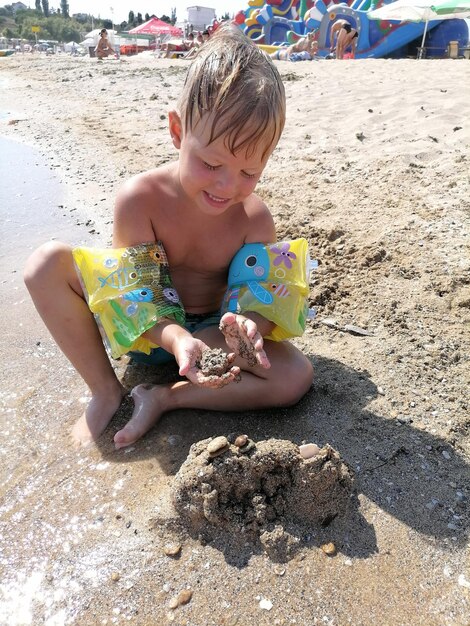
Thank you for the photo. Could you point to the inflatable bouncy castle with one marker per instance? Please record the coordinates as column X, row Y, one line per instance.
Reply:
column 275, row 23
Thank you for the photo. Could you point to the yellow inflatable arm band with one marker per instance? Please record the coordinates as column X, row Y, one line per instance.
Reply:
column 273, row 280
column 128, row 290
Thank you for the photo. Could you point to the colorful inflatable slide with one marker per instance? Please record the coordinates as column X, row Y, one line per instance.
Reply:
column 274, row 23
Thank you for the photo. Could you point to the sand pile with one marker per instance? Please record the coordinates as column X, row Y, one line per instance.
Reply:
column 262, row 492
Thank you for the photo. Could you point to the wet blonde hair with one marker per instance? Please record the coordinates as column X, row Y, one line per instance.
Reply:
column 235, row 82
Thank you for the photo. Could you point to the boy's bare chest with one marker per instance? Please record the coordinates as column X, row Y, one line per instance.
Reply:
column 201, row 249
column 202, row 253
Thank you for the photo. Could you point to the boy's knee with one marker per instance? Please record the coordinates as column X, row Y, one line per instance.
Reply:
column 299, row 380
column 45, row 261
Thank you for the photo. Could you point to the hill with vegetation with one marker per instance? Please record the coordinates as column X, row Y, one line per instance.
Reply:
column 58, row 24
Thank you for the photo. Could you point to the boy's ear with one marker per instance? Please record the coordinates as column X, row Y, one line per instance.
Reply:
column 176, row 129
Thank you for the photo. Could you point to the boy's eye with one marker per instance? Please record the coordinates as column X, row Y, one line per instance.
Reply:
column 248, row 175
column 211, row 167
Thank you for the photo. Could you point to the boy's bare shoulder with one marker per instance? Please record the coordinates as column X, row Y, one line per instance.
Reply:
column 260, row 221
column 143, row 187
column 138, row 205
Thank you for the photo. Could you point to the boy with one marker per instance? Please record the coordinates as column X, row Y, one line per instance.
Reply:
column 202, row 208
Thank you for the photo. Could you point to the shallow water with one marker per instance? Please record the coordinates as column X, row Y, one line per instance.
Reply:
column 31, row 212
column 34, row 376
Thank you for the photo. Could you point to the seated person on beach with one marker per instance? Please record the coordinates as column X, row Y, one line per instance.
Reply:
column 104, row 48
column 347, row 37
column 184, row 46
column 306, row 44
column 202, row 208
column 198, row 41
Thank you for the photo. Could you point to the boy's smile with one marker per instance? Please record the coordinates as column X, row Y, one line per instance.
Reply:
column 215, row 201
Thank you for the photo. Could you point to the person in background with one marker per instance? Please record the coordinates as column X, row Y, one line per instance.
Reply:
column 347, row 37
column 306, row 44
column 334, row 32
column 184, row 46
column 104, row 48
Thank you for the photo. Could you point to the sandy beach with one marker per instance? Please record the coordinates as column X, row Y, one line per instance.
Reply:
column 373, row 170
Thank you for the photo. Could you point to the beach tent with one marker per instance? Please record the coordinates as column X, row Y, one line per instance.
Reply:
column 422, row 11
column 71, row 45
column 156, row 27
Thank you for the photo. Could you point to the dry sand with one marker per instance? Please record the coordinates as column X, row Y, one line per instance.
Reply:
column 373, row 169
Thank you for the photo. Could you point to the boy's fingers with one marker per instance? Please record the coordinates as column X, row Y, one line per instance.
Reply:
column 262, row 359
column 227, row 318
column 195, row 376
column 185, row 366
column 258, row 342
column 231, row 357
column 183, row 371
column 251, row 331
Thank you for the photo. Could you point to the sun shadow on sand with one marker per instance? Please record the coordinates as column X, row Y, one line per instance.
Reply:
column 405, row 471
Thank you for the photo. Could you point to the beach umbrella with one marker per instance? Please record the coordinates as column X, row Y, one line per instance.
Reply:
column 95, row 33
column 459, row 9
column 422, row 11
column 154, row 26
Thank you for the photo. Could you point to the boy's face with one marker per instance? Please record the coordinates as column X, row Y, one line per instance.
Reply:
column 211, row 175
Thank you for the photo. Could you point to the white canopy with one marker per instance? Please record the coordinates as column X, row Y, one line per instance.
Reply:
column 96, row 33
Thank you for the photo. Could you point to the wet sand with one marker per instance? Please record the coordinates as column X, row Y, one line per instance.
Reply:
column 373, row 170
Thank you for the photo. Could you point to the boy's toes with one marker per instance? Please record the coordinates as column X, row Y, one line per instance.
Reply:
column 126, row 436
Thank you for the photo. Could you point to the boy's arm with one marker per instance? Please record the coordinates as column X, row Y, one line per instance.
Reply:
column 135, row 203
column 261, row 230
column 261, row 227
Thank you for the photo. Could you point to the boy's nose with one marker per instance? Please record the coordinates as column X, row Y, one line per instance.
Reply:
column 226, row 184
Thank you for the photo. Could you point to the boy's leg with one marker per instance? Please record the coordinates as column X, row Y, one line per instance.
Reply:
column 283, row 384
column 53, row 283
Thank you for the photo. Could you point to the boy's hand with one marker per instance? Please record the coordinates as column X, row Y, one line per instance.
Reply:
column 188, row 351
column 242, row 336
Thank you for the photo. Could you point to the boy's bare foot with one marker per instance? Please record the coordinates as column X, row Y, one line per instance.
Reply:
column 98, row 414
column 149, row 406
column 242, row 336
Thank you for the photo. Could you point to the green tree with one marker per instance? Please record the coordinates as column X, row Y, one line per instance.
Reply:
column 173, row 17
column 45, row 7
column 64, row 5
column 108, row 24
column 131, row 18
column 139, row 18
column 52, row 27
column 147, row 17
column 83, row 19
column 166, row 19
column 38, row 6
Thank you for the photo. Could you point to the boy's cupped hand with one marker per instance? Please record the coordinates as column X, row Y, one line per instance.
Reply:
column 188, row 354
column 243, row 338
